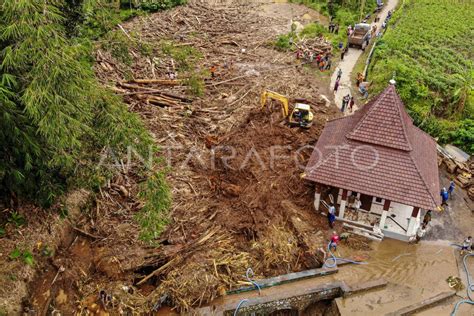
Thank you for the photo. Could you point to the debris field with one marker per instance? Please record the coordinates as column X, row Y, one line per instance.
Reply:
column 234, row 168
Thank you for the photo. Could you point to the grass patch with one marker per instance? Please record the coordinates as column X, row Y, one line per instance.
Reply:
column 25, row 255
column 185, row 56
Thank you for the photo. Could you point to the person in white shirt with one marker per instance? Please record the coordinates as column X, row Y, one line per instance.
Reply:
column 331, row 215
column 357, row 204
column 420, row 233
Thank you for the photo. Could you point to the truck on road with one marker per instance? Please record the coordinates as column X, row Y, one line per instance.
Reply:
column 360, row 36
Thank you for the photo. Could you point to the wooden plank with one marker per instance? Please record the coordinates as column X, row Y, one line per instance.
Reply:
column 410, row 310
column 286, row 278
column 366, row 286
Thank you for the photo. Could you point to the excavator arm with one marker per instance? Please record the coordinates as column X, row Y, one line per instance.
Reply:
column 275, row 96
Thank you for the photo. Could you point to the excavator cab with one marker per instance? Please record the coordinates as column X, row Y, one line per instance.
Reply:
column 301, row 114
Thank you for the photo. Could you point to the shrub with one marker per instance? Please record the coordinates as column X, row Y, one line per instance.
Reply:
column 158, row 5
column 283, row 42
column 153, row 217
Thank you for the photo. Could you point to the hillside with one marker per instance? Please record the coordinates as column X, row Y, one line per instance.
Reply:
column 429, row 49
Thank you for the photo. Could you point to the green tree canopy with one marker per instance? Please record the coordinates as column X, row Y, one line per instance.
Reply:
column 55, row 117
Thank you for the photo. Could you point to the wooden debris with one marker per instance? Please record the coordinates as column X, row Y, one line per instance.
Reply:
column 165, row 82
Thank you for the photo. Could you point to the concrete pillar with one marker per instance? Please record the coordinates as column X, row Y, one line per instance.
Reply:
column 342, row 207
column 386, row 207
column 412, row 227
column 317, row 197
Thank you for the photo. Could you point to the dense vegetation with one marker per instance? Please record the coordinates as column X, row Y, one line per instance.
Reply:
column 429, row 48
column 56, row 119
column 344, row 12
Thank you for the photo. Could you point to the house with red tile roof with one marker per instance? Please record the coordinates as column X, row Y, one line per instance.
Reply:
column 377, row 158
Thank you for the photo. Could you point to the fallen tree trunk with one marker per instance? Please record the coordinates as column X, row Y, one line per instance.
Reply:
column 166, row 82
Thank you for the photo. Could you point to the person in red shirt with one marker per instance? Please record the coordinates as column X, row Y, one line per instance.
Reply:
column 334, row 240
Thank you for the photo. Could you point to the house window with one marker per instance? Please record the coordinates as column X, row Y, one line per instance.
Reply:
column 378, row 200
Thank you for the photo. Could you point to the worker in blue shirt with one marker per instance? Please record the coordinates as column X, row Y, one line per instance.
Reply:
column 444, row 196
column 451, row 188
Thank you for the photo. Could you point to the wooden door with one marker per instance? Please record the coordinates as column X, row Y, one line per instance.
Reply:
column 366, row 202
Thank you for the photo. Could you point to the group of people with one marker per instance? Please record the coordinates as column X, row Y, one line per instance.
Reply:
column 334, row 28
column 323, row 60
column 447, row 194
column 420, row 233
column 385, row 22
column 348, row 100
column 350, row 30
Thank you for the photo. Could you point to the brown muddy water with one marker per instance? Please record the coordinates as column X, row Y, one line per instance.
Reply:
column 414, row 273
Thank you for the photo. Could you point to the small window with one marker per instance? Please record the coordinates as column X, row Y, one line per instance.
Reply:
column 378, row 200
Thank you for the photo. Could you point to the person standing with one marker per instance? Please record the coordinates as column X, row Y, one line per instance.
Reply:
column 213, row 70
column 328, row 64
column 351, row 104
column 345, row 101
column 336, row 29
column 357, row 204
column 427, row 218
column 467, row 244
column 343, row 105
column 334, row 241
column 331, row 27
column 343, row 51
column 451, row 189
column 444, row 197
column 420, row 233
column 339, row 74
column 331, row 215
column 336, row 85
column 360, row 78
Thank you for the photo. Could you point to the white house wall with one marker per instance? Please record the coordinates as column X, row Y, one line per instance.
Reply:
column 402, row 216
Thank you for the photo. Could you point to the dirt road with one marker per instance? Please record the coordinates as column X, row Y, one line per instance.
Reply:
column 350, row 60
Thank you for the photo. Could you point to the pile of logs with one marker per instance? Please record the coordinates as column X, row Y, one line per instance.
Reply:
column 462, row 172
column 140, row 89
column 318, row 45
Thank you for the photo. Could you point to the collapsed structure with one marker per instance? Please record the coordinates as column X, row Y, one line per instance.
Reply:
column 377, row 156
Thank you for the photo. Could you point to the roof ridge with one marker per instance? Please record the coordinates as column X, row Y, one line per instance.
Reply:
column 404, row 126
column 423, row 179
column 367, row 113
column 339, row 118
column 387, row 99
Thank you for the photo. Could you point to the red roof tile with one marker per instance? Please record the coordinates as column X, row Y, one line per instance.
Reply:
column 377, row 151
column 385, row 123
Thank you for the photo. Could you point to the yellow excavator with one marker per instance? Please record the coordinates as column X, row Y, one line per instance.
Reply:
column 300, row 116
